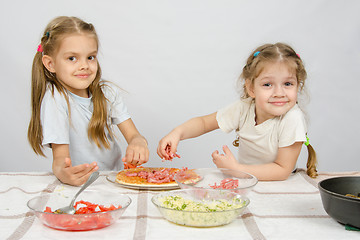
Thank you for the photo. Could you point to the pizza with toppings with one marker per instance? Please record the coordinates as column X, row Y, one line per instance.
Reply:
column 148, row 177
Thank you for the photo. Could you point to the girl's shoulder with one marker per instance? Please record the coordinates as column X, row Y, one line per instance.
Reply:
column 54, row 101
column 54, row 95
column 294, row 112
column 293, row 116
column 241, row 103
column 240, row 107
column 234, row 115
column 111, row 90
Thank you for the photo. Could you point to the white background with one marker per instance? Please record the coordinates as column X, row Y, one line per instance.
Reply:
column 180, row 59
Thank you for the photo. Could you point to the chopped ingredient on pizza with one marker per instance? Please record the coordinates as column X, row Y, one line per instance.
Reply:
column 143, row 176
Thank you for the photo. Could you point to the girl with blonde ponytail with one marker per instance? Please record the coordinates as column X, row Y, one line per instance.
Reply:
column 269, row 124
column 73, row 110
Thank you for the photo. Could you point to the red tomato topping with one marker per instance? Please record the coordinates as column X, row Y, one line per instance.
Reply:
column 88, row 208
column 78, row 222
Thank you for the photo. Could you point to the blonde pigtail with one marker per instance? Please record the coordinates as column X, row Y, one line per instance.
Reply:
column 98, row 122
column 311, row 162
column 38, row 88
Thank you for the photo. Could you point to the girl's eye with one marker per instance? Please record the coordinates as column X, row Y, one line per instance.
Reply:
column 288, row 84
column 267, row 84
column 91, row 58
column 72, row 59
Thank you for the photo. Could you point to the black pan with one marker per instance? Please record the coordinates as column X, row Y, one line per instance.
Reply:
column 343, row 209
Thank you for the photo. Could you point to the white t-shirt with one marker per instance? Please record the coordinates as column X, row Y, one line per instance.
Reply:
column 259, row 144
column 59, row 130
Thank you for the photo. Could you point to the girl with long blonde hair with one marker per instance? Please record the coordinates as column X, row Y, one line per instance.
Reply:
column 74, row 110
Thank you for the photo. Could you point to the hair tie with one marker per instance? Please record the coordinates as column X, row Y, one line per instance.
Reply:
column 298, row 55
column 257, row 53
column 307, row 141
column 40, row 49
column 47, row 34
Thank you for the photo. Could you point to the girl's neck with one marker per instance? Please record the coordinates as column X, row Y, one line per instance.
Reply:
column 81, row 93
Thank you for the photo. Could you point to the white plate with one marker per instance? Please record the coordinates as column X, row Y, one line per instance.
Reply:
column 111, row 177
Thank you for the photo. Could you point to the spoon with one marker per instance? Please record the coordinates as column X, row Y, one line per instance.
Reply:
column 70, row 209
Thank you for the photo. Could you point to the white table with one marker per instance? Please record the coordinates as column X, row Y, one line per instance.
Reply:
column 290, row 209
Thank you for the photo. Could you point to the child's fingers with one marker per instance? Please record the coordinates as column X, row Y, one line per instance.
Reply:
column 94, row 167
column 173, row 149
column 227, row 151
column 159, row 152
column 141, row 159
column 77, row 175
column 84, row 175
column 136, row 157
column 129, row 156
column 80, row 168
column 144, row 156
column 162, row 150
column 83, row 169
column 215, row 154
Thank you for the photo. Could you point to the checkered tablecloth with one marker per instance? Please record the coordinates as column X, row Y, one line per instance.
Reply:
column 290, row 209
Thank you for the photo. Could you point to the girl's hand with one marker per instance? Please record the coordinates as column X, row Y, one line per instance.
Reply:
column 137, row 152
column 63, row 169
column 168, row 146
column 226, row 160
column 192, row 128
column 73, row 175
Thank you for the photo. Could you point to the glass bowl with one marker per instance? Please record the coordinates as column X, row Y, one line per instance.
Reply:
column 209, row 178
column 79, row 222
column 200, row 207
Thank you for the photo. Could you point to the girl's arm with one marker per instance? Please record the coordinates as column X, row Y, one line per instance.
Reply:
column 137, row 152
column 63, row 169
column 193, row 128
column 278, row 170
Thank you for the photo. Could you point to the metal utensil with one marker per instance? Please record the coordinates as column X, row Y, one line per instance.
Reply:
column 70, row 209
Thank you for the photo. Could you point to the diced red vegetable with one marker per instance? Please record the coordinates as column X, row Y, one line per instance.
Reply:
column 76, row 222
column 88, row 208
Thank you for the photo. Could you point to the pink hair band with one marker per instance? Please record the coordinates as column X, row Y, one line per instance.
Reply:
column 40, row 49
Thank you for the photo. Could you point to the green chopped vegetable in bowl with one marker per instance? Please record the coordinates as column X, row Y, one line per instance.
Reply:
column 200, row 208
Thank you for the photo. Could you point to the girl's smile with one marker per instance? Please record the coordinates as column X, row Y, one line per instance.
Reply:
column 82, row 75
column 278, row 103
